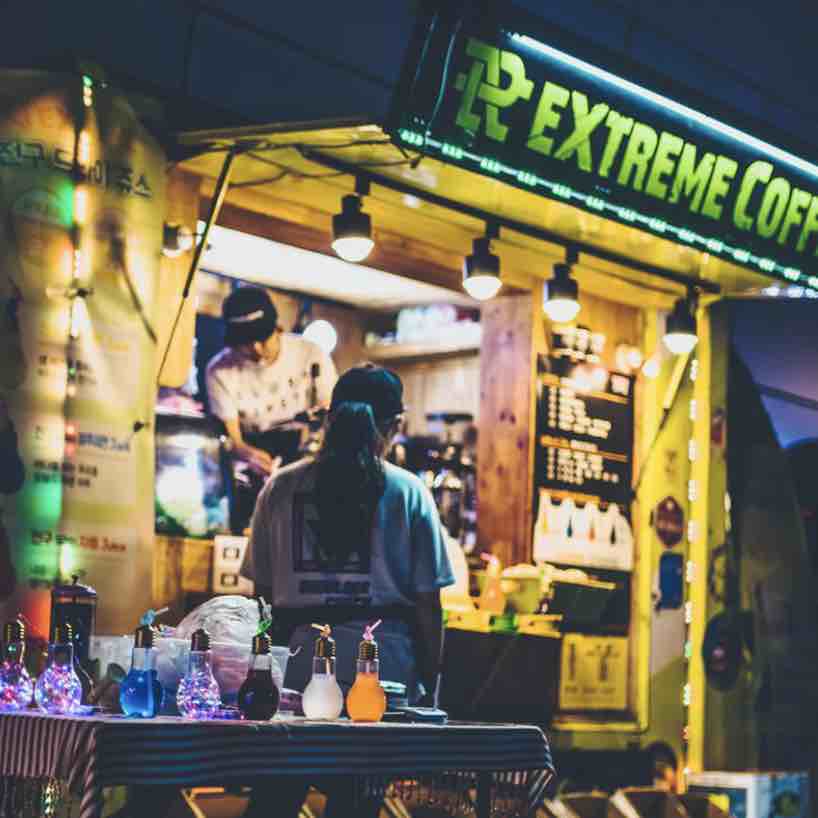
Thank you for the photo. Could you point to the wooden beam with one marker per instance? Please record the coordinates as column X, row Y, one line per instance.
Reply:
column 392, row 253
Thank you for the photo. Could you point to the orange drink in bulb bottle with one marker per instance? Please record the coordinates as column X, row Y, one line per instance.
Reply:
column 366, row 700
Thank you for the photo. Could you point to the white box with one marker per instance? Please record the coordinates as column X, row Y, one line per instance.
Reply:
column 228, row 555
column 756, row 794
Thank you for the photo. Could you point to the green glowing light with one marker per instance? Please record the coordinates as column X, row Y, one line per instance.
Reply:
column 87, row 81
column 715, row 246
column 411, row 137
column 766, row 264
column 658, row 225
column 490, row 165
column 792, row 274
column 526, row 178
column 452, row 151
column 813, row 281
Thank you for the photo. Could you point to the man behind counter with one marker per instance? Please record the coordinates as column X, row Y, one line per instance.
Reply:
column 263, row 377
column 259, row 382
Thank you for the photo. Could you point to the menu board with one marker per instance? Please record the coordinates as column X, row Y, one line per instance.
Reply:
column 585, row 435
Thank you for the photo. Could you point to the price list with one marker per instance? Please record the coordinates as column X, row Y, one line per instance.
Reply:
column 586, row 437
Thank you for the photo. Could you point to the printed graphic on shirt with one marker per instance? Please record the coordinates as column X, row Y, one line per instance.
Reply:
column 308, row 556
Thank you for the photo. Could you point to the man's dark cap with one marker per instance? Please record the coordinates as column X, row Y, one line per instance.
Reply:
column 249, row 316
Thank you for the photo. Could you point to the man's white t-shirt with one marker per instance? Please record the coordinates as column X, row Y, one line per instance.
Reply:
column 260, row 395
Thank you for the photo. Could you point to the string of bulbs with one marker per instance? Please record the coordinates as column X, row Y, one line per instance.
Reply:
column 352, row 241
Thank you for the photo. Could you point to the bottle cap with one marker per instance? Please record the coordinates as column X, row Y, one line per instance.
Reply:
column 261, row 644
column 143, row 637
column 62, row 634
column 14, row 631
column 200, row 641
column 367, row 651
column 324, row 644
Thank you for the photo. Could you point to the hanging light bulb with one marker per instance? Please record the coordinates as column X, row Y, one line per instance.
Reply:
column 481, row 270
column 680, row 330
column 322, row 333
column 351, row 228
column 561, row 297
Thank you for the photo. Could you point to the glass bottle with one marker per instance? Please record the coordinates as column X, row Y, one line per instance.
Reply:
column 140, row 693
column 198, row 695
column 366, row 700
column 258, row 695
column 322, row 697
column 58, row 689
column 16, row 686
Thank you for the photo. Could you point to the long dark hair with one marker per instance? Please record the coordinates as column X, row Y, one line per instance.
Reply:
column 349, row 484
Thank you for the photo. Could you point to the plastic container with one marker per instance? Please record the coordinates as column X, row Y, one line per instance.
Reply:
column 229, row 664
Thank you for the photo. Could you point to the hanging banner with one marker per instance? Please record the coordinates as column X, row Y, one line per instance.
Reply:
column 81, row 207
column 488, row 92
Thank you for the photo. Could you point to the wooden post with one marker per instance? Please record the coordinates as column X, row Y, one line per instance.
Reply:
column 183, row 209
column 512, row 335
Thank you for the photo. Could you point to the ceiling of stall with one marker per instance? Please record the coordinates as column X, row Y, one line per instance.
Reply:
column 281, row 174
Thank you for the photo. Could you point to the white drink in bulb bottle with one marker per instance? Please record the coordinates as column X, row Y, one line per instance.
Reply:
column 322, row 698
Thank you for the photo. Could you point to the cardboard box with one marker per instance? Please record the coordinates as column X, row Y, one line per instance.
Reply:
column 756, row 794
column 593, row 673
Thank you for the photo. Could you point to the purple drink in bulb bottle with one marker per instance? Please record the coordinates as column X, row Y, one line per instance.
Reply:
column 16, row 686
column 198, row 695
column 58, row 689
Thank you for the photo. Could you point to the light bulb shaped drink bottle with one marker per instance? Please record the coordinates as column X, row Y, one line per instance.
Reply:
column 198, row 695
column 140, row 694
column 366, row 700
column 322, row 697
column 16, row 686
column 58, row 688
column 258, row 695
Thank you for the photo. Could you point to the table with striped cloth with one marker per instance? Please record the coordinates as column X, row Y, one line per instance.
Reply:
column 508, row 763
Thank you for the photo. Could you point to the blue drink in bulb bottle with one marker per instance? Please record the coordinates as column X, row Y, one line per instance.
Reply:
column 140, row 693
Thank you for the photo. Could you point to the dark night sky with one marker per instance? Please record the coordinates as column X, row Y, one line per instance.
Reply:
column 778, row 340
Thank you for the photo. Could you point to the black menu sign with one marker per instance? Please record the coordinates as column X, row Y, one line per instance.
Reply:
column 585, row 434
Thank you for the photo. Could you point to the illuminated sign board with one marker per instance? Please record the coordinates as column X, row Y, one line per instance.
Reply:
column 497, row 101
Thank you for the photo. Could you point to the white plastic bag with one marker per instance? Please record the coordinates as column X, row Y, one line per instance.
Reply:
column 232, row 622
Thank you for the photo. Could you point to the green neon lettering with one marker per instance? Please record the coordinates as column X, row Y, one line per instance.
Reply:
column 757, row 172
column 772, row 207
column 691, row 179
column 585, row 123
column 810, row 226
column 795, row 213
column 618, row 128
column 492, row 61
column 640, row 149
column 719, row 185
column 664, row 163
column 553, row 97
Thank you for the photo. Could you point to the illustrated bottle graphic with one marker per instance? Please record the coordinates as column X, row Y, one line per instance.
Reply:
column 366, row 700
column 198, row 695
column 322, row 697
column 140, row 694
column 16, row 686
column 58, row 689
column 258, row 695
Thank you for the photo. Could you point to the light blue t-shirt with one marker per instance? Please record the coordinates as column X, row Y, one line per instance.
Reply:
column 407, row 556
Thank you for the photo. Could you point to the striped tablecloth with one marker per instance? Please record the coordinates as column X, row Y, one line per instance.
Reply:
column 89, row 753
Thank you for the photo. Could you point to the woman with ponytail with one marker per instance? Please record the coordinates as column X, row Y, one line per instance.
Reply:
column 348, row 538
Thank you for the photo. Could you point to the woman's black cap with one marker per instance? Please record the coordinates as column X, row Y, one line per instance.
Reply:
column 249, row 316
column 381, row 388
